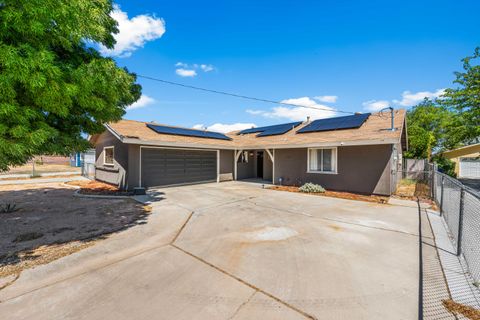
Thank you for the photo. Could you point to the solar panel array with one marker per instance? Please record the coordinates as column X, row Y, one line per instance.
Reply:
column 338, row 123
column 187, row 132
column 272, row 130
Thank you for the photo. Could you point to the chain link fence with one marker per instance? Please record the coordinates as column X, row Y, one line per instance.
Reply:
column 460, row 208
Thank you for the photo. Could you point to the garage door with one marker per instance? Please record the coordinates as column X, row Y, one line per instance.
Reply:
column 469, row 168
column 174, row 166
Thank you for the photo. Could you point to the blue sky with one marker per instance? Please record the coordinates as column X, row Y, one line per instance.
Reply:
column 340, row 55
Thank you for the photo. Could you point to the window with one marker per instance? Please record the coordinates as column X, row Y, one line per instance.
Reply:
column 322, row 160
column 108, row 156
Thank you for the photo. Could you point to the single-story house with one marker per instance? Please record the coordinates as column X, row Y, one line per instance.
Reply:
column 358, row 153
column 467, row 161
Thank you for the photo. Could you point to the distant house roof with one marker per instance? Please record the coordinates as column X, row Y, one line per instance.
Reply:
column 462, row 151
column 375, row 130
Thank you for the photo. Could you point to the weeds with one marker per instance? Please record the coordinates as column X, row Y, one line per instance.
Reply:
column 8, row 207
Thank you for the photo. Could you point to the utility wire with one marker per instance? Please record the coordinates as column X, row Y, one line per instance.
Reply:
column 241, row 96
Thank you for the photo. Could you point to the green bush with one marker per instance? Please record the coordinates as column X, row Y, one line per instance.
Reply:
column 445, row 165
column 311, row 188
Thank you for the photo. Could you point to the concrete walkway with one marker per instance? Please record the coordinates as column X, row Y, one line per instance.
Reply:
column 460, row 282
column 41, row 180
column 236, row 251
column 45, row 174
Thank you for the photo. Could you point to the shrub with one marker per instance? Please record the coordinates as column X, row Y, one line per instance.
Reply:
column 8, row 207
column 311, row 188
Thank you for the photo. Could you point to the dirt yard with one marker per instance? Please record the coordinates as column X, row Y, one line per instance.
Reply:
column 49, row 222
column 42, row 168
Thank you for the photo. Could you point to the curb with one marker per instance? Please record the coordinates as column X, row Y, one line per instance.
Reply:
column 96, row 196
column 139, row 199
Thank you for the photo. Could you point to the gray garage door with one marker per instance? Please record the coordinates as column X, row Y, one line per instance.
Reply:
column 469, row 168
column 172, row 166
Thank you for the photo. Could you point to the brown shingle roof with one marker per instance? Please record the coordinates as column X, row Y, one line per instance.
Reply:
column 374, row 130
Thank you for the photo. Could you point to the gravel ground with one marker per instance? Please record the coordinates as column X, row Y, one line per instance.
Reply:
column 50, row 223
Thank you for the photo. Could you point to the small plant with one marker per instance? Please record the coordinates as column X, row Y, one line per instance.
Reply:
column 8, row 207
column 311, row 188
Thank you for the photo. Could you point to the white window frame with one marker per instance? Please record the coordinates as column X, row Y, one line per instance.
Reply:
column 334, row 160
column 104, row 156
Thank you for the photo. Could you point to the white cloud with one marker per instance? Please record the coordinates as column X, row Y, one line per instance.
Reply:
column 375, row 105
column 181, row 65
column 186, row 72
column 190, row 70
column 133, row 33
column 206, row 67
column 327, row 99
column 142, row 102
column 314, row 110
column 410, row 99
column 224, row 128
column 255, row 112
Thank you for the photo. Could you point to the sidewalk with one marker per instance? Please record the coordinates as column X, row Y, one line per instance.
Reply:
column 46, row 174
column 455, row 269
column 42, row 180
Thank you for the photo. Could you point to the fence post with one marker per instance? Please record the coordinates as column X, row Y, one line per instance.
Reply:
column 441, row 199
column 460, row 222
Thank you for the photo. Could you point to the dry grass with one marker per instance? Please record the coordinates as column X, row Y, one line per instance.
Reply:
column 457, row 309
column 337, row 194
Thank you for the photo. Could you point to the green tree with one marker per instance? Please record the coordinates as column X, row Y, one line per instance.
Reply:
column 427, row 124
column 55, row 88
column 465, row 102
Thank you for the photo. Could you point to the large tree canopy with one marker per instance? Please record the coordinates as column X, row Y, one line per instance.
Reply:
column 54, row 88
column 452, row 120
column 464, row 100
column 427, row 125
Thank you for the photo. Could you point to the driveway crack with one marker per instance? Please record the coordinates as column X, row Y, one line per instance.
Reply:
column 286, row 304
column 242, row 305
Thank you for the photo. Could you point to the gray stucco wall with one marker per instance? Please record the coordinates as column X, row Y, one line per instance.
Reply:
column 116, row 174
column 226, row 165
column 247, row 170
column 267, row 167
column 361, row 169
column 133, row 176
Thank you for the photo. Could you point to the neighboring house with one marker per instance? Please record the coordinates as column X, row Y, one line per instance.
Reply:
column 467, row 161
column 358, row 153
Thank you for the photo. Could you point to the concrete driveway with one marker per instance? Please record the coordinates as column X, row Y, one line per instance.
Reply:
column 236, row 251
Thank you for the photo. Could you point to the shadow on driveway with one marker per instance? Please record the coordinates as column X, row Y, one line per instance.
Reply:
column 49, row 222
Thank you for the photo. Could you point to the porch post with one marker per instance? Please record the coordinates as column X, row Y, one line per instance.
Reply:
column 273, row 166
column 218, row 166
column 235, row 160
column 272, row 157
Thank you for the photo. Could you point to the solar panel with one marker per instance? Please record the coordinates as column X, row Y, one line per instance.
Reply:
column 272, row 130
column 338, row 123
column 187, row 132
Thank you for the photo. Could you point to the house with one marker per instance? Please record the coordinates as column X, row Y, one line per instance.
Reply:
column 467, row 161
column 358, row 153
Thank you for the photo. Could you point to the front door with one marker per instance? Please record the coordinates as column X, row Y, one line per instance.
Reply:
column 260, row 164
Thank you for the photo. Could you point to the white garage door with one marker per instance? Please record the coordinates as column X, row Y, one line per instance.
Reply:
column 469, row 168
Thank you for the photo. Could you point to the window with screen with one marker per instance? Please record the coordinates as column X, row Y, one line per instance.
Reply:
column 108, row 156
column 323, row 160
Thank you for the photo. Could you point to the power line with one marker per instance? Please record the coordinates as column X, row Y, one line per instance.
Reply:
column 241, row 96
